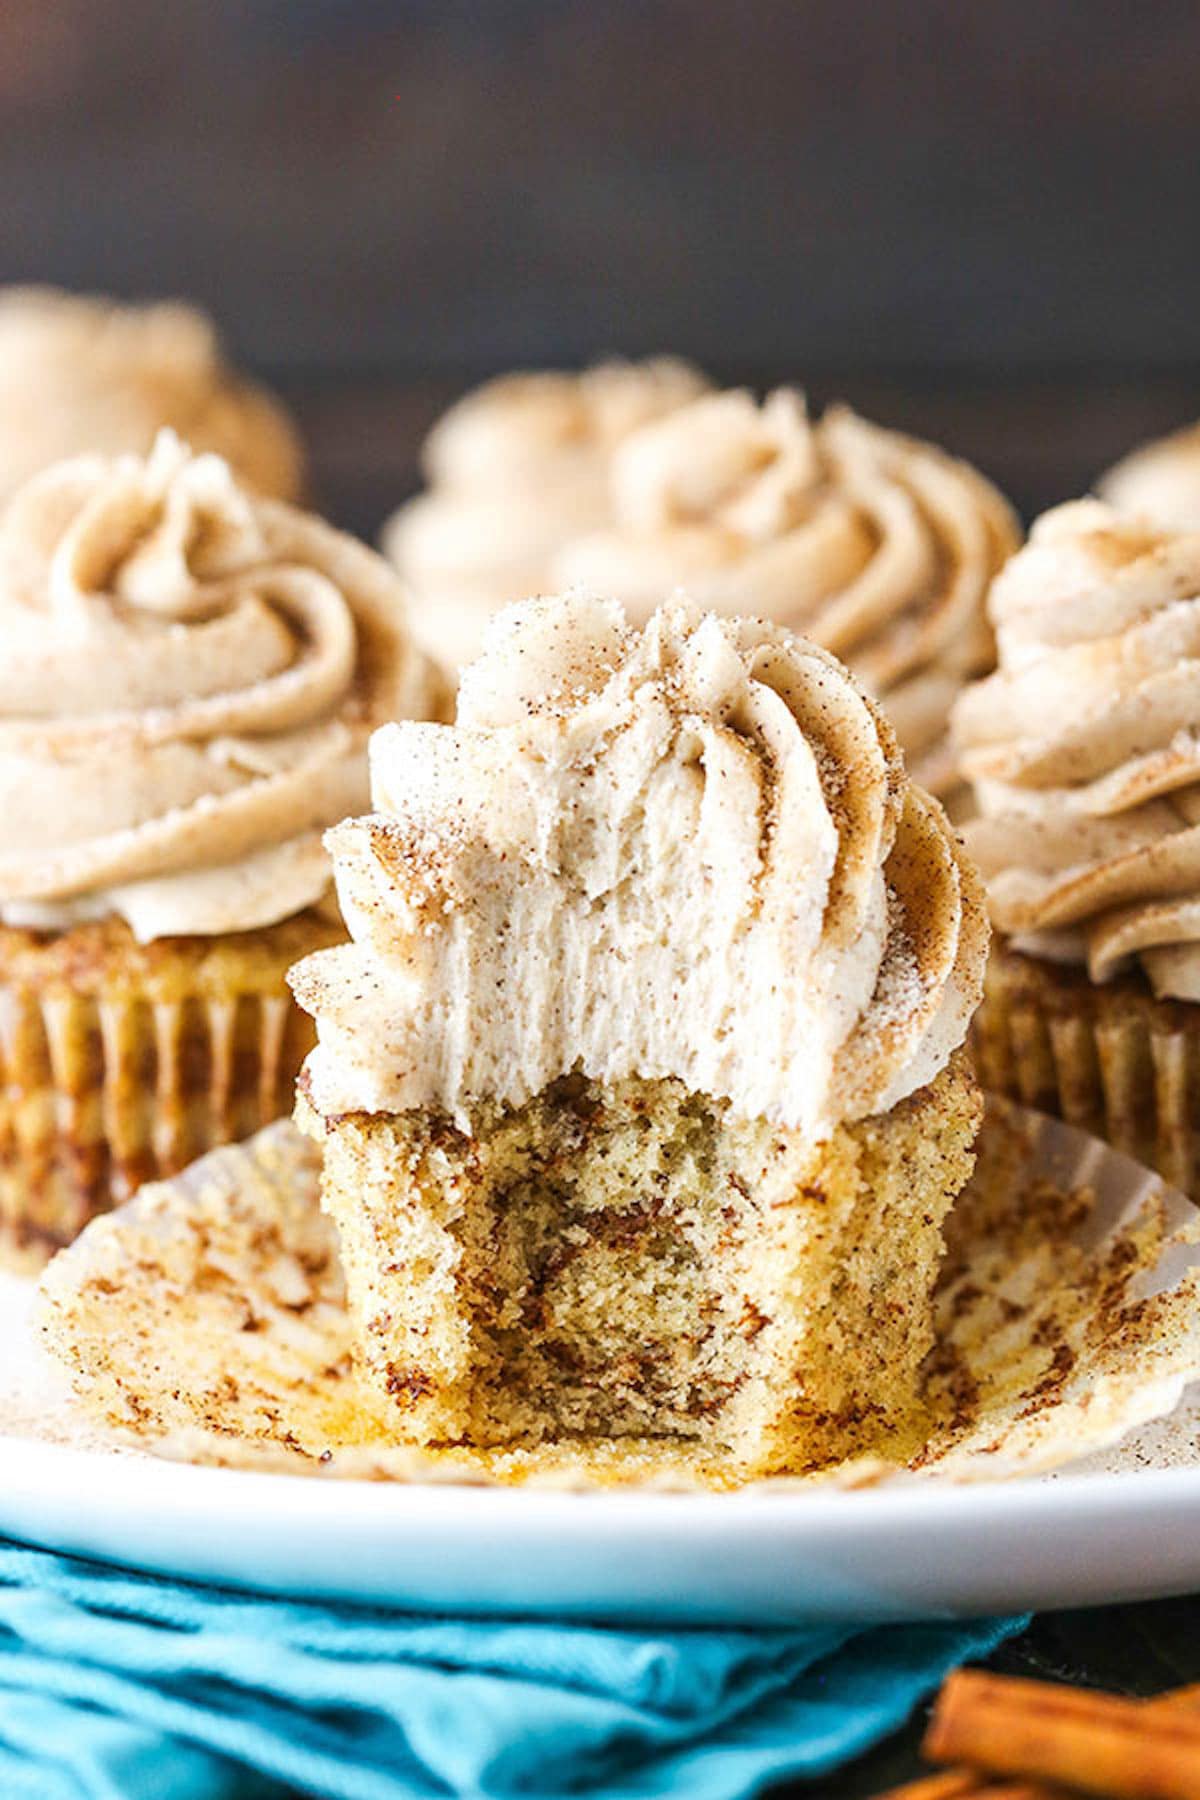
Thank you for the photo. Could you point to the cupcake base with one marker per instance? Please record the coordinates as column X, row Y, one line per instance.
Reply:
column 1112, row 1059
column 121, row 1062
column 628, row 1260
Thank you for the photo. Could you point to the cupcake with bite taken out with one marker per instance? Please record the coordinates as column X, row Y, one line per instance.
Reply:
column 640, row 1085
column 1084, row 753
column 189, row 678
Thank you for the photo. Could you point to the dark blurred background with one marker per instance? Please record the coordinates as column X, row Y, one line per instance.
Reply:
column 980, row 218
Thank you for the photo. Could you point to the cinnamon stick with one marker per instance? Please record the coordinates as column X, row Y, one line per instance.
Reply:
column 963, row 1784
column 969, row 1784
column 951, row 1784
column 1070, row 1737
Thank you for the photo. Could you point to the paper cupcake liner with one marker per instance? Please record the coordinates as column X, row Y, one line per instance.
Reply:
column 1066, row 1319
column 1111, row 1059
column 120, row 1064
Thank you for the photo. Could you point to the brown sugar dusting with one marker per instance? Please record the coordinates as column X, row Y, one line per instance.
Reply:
column 418, row 858
column 948, row 1375
column 1044, row 1324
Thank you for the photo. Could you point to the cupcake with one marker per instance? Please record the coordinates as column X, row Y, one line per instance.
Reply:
column 190, row 674
column 879, row 547
column 640, row 1086
column 514, row 469
column 1159, row 481
column 84, row 374
column 1084, row 752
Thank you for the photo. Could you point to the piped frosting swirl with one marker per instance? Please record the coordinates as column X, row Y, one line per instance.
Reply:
column 689, row 850
column 1159, row 481
column 1084, row 747
column 83, row 374
column 878, row 546
column 514, row 469
column 189, row 679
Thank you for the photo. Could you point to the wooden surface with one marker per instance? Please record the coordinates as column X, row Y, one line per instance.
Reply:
column 886, row 182
column 1135, row 1650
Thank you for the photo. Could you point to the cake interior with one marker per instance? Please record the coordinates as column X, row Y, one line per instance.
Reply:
column 629, row 1259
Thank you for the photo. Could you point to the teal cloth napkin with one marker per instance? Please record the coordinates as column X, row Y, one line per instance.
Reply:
column 119, row 1687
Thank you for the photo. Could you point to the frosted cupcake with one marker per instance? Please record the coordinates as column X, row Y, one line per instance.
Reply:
column 79, row 373
column 1159, row 481
column 1084, row 751
column 514, row 469
column 188, row 680
column 640, row 1085
column 879, row 547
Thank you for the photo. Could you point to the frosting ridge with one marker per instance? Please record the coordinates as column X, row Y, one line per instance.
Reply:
column 1084, row 747
column 190, row 677
column 514, row 469
column 79, row 373
column 878, row 546
column 1160, row 481
column 687, row 850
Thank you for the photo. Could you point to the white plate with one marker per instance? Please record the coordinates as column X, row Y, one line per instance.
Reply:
column 1125, row 1526
column 692, row 1559
column 1130, row 1530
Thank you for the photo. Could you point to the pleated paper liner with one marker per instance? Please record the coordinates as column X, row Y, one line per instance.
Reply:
column 1111, row 1059
column 206, row 1321
column 121, row 1063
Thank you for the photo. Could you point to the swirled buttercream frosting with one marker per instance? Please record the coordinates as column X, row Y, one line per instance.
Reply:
column 189, row 679
column 1084, row 748
column 1160, row 481
column 81, row 374
column 878, row 546
column 687, row 850
column 513, row 470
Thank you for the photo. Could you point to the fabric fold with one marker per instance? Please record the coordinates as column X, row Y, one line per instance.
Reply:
column 113, row 1684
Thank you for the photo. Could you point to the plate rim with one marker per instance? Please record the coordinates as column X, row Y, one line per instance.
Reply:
column 637, row 1558
column 911, row 1500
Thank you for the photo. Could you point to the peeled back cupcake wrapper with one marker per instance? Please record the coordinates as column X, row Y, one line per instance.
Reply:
column 206, row 1321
